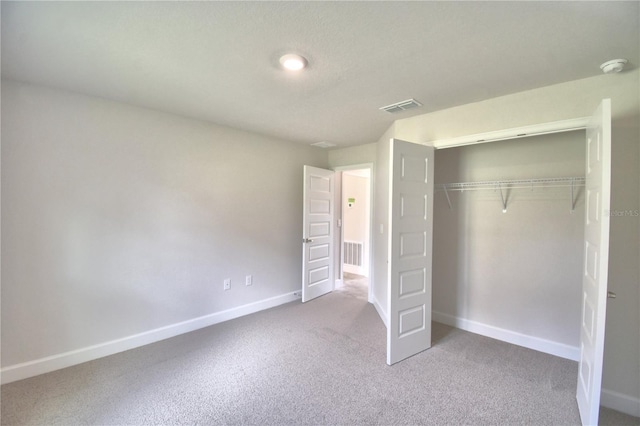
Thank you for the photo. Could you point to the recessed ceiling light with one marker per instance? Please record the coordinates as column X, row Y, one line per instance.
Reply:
column 293, row 62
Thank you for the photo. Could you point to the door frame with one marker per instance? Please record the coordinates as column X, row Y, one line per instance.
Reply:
column 340, row 234
column 580, row 123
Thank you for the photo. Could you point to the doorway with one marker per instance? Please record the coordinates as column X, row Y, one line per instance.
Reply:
column 354, row 259
column 509, row 264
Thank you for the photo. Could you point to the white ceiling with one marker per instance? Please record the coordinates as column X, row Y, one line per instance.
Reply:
column 218, row 61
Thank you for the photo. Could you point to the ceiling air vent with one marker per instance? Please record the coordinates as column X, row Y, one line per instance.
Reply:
column 401, row 106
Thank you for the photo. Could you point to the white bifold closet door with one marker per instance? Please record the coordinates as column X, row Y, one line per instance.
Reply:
column 596, row 261
column 410, row 247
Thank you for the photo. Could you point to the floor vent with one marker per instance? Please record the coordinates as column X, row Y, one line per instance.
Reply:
column 353, row 253
column 401, row 106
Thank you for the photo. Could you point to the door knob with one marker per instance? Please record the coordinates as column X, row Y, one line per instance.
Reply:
column 307, row 240
column 611, row 295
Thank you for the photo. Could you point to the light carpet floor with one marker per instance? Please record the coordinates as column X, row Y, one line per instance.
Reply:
column 322, row 362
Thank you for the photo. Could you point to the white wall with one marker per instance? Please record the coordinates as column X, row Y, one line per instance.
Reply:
column 519, row 271
column 356, row 218
column 119, row 220
column 381, row 217
column 353, row 155
column 621, row 377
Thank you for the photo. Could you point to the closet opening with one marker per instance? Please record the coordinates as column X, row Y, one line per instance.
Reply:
column 509, row 237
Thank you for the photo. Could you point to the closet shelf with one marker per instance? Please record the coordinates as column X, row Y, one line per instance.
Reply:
column 502, row 185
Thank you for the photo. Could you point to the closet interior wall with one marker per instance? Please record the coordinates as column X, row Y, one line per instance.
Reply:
column 520, row 271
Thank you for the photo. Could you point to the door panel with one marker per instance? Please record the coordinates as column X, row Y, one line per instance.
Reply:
column 317, row 243
column 596, row 260
column 411, row 230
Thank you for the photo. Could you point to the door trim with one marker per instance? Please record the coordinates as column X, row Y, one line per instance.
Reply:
column 513, row 133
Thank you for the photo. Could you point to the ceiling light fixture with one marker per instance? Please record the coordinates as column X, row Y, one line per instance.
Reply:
column 613, row 66
column 293, row 62
column 323, row 144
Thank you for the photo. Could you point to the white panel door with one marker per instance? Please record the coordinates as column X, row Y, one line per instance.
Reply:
column 596, row 260
column 410, row 232
column 317, row 237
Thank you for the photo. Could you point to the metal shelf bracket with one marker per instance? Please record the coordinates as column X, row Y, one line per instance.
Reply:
column 504, row 202
column 448, row 199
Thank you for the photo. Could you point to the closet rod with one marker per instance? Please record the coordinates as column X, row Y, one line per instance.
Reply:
column 502, row 185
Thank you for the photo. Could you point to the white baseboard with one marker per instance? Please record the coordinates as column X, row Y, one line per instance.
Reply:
column 620, row 402
column 358, row 270
column 28, row 369
column 535, row 343
column 381, row 312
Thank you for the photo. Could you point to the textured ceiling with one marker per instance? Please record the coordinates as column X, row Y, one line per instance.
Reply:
column 218, row 61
